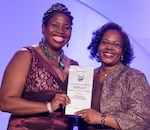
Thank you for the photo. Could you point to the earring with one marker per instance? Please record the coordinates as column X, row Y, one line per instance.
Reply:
column 67, row 45
column 121, row 58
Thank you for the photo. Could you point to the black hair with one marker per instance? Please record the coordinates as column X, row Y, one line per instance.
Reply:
column 56, row 8
column 97, row 37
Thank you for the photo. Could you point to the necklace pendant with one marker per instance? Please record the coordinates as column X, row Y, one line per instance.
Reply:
column 103, row 74
column 61, row 65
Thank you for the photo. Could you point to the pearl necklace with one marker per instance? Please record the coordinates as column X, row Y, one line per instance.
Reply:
column 103, row 74
column 52, row 57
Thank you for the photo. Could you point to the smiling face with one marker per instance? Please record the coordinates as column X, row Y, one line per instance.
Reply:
column 110, row 48
column 57, row 32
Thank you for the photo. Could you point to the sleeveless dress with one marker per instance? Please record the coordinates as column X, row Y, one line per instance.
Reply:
column 41, row 85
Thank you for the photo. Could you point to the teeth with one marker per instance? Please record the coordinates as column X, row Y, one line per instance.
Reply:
column 59, row 39
column 108, row 54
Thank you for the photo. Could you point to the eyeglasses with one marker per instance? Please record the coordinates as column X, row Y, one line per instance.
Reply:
column 114, row 45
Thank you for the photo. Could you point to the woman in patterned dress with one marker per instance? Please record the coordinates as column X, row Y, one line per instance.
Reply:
column 34, row 84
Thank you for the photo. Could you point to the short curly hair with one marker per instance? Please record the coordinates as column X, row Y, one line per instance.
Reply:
column 56, row 8
column 97, row 37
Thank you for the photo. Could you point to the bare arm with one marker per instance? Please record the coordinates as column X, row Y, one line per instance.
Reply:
column 13, row 85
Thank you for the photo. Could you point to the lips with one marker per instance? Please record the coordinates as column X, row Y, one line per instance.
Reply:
column 58, row 38
column 108, row 54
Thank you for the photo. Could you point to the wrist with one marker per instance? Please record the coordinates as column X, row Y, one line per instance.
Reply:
column 103, row 118
column 49, row 107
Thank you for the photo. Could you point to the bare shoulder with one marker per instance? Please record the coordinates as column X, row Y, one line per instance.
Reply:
column 24, row 54
column 21, row 60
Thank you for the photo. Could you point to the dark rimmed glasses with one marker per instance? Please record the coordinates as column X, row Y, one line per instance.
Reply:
column 113, row 44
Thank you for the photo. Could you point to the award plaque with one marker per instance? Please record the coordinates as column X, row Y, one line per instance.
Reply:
column 79, row 89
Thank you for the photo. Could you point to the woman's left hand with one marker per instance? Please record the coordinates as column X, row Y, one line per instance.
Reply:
column 91, row 116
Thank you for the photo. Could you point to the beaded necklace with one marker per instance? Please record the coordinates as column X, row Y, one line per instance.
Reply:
column 52, row 57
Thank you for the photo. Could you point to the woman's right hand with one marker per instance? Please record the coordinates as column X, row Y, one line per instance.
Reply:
column 59, row 100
